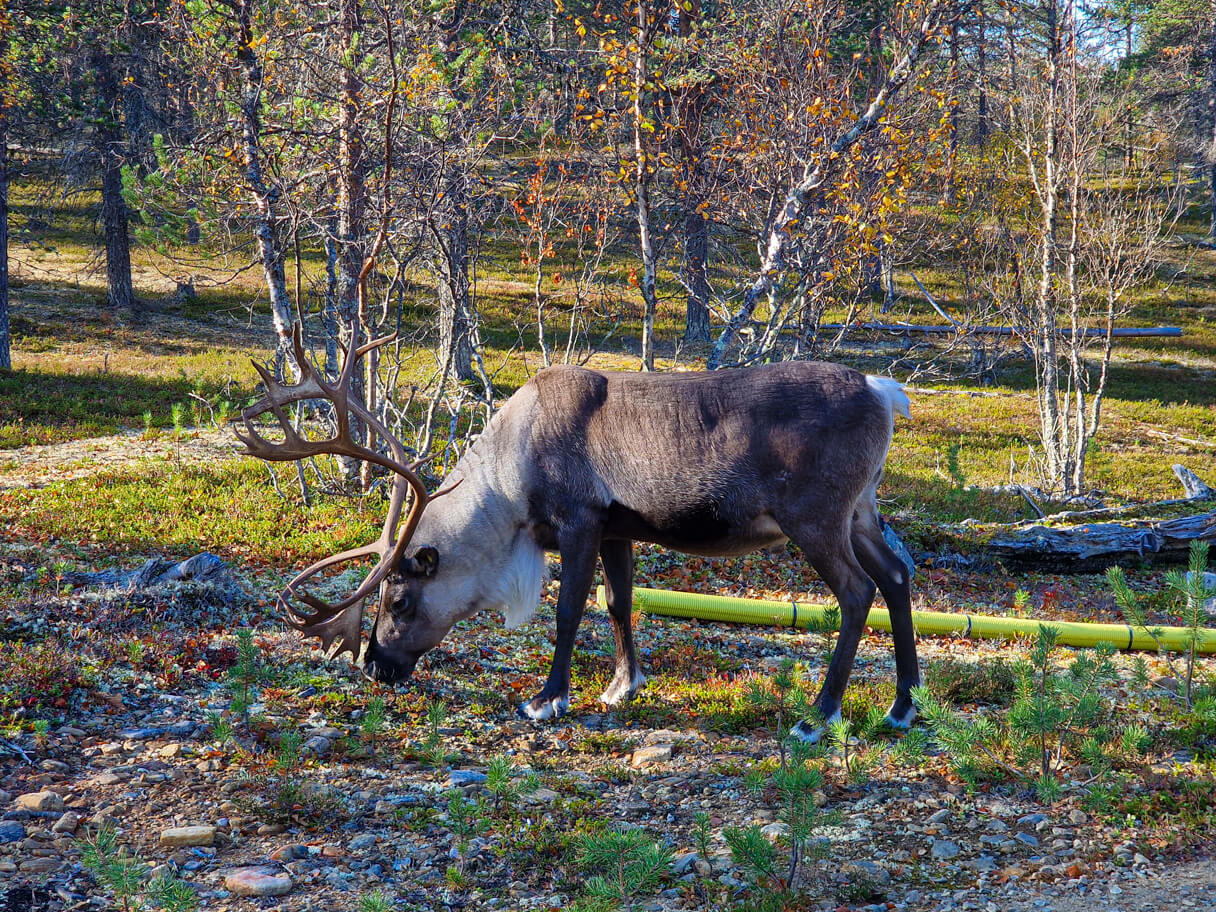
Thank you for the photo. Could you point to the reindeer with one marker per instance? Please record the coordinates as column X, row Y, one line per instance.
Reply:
column 585, row 463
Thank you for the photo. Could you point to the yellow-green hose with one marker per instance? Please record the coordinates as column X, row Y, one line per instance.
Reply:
column 802, row 614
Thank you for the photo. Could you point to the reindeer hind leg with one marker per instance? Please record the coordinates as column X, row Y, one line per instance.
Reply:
column 617, row 558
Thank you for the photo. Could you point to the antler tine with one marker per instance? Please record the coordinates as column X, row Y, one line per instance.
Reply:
column 340, row 622
column 374, row 343
column 346, row 627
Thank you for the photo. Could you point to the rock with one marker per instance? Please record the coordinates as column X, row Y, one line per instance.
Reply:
column 465, row 778
column 682, row 864
column 1077, row 817
column 11, row 831
column 1139, row 859
column 188, row 836
column 654, row 753
column 1031, row 819
column 941, row 816
column 290, row 853
column 40, row 801
column 366, row 841
column 775, row 831
column 257, row 882
column 944, row 849
column 542, row 796
column 67, row 823
column 39, row 865
column 317, row 746
column 1026, row 839
column 1166, row 683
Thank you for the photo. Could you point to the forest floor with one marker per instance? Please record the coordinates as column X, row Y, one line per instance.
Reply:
column 123, row 707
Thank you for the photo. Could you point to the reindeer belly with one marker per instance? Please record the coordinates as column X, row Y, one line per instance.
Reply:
column 703, row 528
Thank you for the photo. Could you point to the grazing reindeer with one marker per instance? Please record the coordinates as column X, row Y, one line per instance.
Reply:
column 587, row 462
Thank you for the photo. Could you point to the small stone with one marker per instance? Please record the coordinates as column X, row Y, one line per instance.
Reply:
column 366, row 841
column 317, row 746
column 11, row 831
column 1077, row 817
column 1026, row 839
column 40, row 801
column 941, row 816
column 775, row 831
column 464, row 778
column 1031, row 819
column 543, row 796
column 683, row 863
column 257, row 882
column 1115, row 890
column 188, row 836
column 39, row 865
column 944, row 849
column 654, row 753
column 290, row 853
column 169, row 751
column 1139, row 859
column 67, row 823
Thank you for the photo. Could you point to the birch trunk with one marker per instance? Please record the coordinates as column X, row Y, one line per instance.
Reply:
column 696, row 226
column 352, row 203
column 643, row 174
column 1050, row 425
column 1211, row 157
column 265, row 194
column 6, row 357
column 452, row 260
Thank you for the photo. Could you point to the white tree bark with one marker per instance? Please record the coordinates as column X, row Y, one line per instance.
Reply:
column 818, row 172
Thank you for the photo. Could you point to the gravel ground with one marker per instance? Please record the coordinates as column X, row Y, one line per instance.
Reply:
column 134, row 746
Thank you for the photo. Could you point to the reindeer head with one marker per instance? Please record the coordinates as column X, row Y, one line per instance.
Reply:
column 405, row 627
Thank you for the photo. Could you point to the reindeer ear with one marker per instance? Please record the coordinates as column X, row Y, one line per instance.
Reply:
column 425, row 562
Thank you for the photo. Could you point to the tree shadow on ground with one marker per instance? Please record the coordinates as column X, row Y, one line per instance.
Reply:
column 44, row 407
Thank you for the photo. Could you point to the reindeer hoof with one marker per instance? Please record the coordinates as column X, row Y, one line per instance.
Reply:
column 622, row 689
column 901, row 715
column 539, row 709
column 809, row 733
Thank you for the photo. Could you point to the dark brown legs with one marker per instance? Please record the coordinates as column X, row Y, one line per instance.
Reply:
column 617, row 557
column 851, row 570
column 578, row 572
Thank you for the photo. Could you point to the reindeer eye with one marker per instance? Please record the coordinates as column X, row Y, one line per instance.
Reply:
column 405, row 606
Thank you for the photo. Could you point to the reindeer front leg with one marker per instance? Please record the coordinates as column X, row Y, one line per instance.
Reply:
column 578, row 555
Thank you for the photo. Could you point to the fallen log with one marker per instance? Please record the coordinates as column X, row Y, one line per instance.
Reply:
column 1093, row 547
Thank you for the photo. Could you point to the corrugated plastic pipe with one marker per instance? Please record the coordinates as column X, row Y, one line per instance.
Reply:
column 801, row 614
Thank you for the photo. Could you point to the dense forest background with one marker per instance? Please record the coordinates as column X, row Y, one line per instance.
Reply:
column 724, row 182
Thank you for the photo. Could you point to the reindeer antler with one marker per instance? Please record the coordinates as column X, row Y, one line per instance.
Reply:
column 343, row 622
